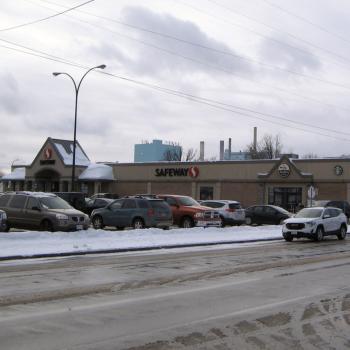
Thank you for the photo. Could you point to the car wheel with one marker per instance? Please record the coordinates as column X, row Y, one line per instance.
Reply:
column 248, row 221
column 187, row 222
column 288, row 237
column 138, row 223
column 223, row 224
column 342, row 232
column 97, row 222
column 319, row 234
column 46, row 225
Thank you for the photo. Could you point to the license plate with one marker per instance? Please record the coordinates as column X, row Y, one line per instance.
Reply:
column 80, row 227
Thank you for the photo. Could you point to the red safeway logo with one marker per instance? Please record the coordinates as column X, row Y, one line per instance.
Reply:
column 48, row 153
column 193, row 171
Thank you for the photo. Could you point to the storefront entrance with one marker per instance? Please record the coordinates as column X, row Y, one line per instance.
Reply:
column 288, row 198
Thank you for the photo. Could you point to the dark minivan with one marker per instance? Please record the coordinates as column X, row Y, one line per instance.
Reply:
column 137, row 212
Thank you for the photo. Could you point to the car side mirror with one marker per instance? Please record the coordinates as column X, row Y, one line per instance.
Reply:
column 326, row 216
column 36, row 208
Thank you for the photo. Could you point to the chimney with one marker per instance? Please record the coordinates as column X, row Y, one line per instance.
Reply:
column 222, row 147
column 201, row 151
column 255, row 140
column 229, row 148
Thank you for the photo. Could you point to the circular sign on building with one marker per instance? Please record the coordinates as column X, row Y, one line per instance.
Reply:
column 338, row 170
column 284, row 170
column 193, row 171
column 48, row 153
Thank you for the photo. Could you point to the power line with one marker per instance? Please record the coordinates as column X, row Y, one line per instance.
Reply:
column 197, row 99
column 305, row 20
column 277, row 41
column 45, row 18
column 279, row 30
column 227, row 53
column 193, row 60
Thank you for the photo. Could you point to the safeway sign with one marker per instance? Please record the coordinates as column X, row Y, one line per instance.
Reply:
column 192, row 171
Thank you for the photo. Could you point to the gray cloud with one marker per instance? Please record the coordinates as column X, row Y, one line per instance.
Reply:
column 9, row 94
column 151, row 61
column 288, row 57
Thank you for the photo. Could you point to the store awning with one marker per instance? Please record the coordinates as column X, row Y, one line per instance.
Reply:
column 97, row 172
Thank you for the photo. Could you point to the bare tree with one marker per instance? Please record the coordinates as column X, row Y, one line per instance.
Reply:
column 269, row 147
column 177, row 154
column 173, row 155
column 190, row 155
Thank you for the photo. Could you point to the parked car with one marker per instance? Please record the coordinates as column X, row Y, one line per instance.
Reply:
column 266, row 214
column 3, row 221
column 41, row 211
column 92, row 204
column 104, row 195
column 343, row 205
column 187, row 212
column 75, row 199
column 136, row 212
column 315, row 223
column 231, row 212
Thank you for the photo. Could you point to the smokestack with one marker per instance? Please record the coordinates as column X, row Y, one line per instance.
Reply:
column 229, row 148
column 222, row 149
column 255, row 140
column 201, row 151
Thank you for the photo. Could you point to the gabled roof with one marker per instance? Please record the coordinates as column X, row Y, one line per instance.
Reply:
column 64, row 149
column 285, row 160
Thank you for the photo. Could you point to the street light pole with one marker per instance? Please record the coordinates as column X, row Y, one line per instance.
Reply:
column 76, row 88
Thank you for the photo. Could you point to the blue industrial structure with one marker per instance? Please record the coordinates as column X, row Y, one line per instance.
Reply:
column 155, row 151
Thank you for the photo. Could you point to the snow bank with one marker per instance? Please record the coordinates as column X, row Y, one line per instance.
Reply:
column 34, row 243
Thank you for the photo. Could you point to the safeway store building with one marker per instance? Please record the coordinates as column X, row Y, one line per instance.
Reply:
column 282, row 182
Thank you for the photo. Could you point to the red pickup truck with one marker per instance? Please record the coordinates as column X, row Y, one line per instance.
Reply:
column 187, row 212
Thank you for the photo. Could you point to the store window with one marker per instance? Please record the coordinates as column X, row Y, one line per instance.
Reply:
column 288, row 198
column 206, row 193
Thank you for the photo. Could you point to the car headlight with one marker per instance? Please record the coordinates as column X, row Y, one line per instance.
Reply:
column 199, row 215
column 3, row 216
column 311, row 223
column 61, row 217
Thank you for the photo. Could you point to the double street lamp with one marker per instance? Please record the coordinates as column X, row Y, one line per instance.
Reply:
column 76, row 87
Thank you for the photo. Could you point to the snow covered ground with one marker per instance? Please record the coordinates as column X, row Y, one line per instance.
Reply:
column 37, row 243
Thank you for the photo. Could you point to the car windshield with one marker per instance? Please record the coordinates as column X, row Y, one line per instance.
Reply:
column 282, row 210
column 319, row 203
column 188, row 201
column 54, row 203
column 309, row 213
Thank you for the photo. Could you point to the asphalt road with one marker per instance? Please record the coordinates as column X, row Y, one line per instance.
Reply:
column 275, row 295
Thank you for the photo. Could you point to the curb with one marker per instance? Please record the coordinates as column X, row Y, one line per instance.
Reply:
column 139, row 249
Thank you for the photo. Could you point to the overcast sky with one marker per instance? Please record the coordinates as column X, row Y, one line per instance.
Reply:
column 287, row 60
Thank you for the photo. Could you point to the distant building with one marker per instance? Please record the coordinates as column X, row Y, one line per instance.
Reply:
column 155, row 151
column 236, row 155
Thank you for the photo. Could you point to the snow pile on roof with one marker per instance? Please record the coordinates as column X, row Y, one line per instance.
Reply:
column 17, row 174
column 67, row 154
column 97, row 172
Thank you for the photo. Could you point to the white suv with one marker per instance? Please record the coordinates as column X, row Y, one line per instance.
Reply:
column 231, row 212
column 314, row 223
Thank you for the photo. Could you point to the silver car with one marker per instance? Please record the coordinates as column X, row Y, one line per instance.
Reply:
column 231, row 212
